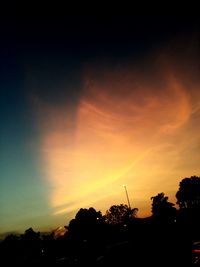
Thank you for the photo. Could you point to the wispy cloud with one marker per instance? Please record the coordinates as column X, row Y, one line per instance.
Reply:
column 130, row 125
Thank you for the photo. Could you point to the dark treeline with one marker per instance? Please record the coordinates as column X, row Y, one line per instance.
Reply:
column 120, row 237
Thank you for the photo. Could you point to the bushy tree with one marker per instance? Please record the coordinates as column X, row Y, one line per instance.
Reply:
column 119, row 214
column 85, row 223
column 188, row 195
column 161, row 208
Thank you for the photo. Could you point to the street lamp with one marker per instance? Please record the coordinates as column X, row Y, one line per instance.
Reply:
column 127, row 196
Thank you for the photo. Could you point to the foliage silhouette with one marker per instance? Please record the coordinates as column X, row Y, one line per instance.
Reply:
column 85, row 223
column 188, row 199
column 86, row 234
column 162, row 209
column 188, row 195
column 119, row 214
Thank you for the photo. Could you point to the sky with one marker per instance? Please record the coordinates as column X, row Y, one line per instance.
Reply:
column 89, row 104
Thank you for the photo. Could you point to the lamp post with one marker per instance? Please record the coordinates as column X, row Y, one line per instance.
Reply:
column 127, row 196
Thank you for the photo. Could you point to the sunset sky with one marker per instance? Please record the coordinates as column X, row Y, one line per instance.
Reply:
column 89, row 104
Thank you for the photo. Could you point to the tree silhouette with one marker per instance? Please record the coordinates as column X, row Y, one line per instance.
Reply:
column 85, row 233
column 10, row 249
column 188, row 195
column 119, row 214
column 162, row 209
column 31, row 243
column 188, row 199
column 85, row 224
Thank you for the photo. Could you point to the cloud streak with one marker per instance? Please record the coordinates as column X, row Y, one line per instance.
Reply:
column 129, row 126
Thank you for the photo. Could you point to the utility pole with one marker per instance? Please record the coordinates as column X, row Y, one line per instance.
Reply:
column 127, row 196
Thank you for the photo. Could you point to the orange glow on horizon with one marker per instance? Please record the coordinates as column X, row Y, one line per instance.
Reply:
column 125, row 129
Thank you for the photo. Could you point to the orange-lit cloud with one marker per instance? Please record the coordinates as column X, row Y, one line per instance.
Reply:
column 130, row 127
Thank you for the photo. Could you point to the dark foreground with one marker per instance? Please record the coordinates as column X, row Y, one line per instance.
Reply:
column 137, row 244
